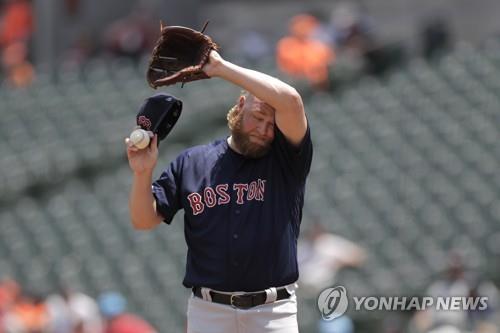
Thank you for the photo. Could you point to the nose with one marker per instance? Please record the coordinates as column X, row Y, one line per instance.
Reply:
column 261, row 129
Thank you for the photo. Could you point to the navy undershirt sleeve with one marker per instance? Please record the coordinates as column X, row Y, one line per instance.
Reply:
column 296, row 158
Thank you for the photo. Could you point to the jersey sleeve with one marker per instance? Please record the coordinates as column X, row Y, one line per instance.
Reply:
column 166, row 192
column 297, row 159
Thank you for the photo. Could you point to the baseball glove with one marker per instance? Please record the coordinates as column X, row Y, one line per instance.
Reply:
column 179, row 56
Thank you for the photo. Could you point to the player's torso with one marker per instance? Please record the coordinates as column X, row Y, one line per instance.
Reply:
column 237, row 211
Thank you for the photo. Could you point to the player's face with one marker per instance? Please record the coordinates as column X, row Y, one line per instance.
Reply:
column 255, row 132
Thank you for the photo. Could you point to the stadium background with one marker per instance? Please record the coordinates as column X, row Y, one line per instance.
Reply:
column 406, row 158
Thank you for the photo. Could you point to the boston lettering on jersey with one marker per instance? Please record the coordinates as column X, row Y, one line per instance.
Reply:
column 220, row 196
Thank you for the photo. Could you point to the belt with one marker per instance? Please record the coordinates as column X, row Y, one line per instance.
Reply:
column 242, row 301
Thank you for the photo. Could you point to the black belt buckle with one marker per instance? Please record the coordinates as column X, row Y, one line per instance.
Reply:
column 235, row 299
column 231, row 302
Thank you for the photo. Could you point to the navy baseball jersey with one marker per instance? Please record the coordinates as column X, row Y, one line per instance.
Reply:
column 241, row 215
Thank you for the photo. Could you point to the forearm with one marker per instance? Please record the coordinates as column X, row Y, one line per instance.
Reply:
column 281, row 96
column 141, row 203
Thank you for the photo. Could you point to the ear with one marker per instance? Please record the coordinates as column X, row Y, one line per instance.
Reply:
column 241, row 102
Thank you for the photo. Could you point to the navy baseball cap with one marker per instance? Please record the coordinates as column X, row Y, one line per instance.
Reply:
column 158, row 114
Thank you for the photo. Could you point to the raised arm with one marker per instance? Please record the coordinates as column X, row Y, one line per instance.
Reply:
column 143, row 213
column 289, row 110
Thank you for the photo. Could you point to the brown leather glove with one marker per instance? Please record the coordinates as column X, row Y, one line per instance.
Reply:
column 179, row 56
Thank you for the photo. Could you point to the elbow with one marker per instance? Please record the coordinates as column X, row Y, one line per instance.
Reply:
column 297, row 99
column 294, row 94
column 136, row 225
column 141, row 225
column 294, row 100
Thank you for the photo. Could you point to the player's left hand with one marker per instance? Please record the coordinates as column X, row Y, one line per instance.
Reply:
column 142, row 160
column 213, row 64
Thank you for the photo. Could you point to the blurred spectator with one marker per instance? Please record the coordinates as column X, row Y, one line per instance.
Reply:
column 60, row 315
column 16, row 22
column 456, row 283
column 321, row 255
column 483, row 320
column 341, row 324
column 435, row 37
column 85, row 311
column 133, row 35
column 9, row 293
column 27, row 315
column 347, row 32
column 352, row 33
column 301, row 56
column 72, row 312
column 112, row 307
column 16, row 28
column 349, row 26
column 18, row 70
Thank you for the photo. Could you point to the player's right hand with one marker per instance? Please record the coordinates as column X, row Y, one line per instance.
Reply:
column 211, row 68
column 142, row 160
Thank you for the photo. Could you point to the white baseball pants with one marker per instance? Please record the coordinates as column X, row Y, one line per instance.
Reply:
column 207, row 317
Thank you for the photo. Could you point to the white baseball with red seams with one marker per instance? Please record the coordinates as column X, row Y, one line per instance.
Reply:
column 140, row 138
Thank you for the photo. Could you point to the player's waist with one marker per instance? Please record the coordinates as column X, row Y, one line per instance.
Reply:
column 245, row 300
column 239, row 276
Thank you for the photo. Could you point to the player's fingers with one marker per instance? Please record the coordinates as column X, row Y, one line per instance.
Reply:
column 130, row 145
column 150, row 133
column 154, row 144
column 132, row 149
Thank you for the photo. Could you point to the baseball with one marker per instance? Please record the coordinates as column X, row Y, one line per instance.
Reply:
column 140, row 138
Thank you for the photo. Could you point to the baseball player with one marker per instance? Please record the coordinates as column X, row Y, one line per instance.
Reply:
column 242, row 198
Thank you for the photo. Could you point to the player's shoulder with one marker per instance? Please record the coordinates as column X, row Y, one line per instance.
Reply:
column 203, row 151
